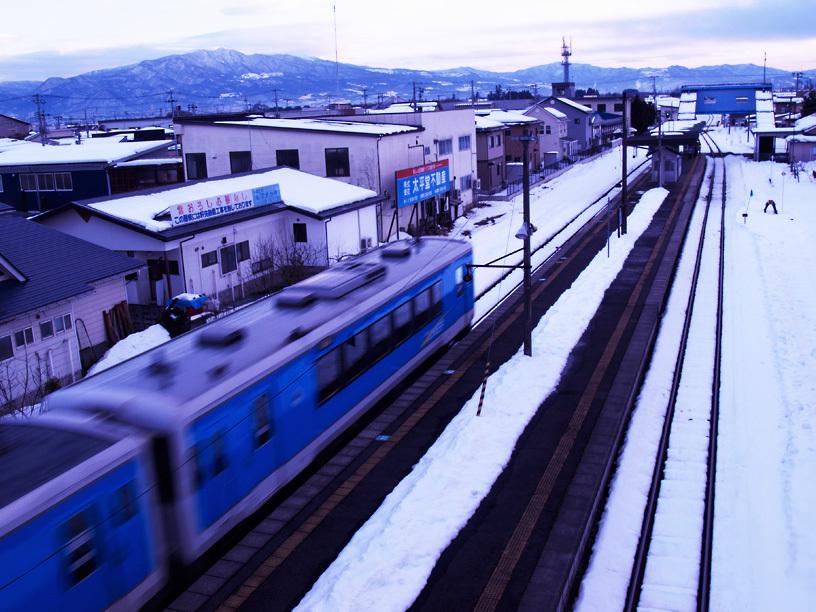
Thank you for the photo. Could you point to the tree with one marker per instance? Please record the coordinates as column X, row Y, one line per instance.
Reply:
column 281, row 261
column 809, row 105
column 643, row 114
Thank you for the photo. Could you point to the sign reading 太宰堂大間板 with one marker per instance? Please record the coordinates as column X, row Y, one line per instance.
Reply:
column 422, row 182
column 224, row 204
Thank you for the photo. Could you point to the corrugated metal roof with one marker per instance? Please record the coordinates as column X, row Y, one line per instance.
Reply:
column 57, row 266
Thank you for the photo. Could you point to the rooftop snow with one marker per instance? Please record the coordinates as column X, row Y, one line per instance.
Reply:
column 307, row 192
column 554, row 112
column 90, row 151
column 580, row 107
column 327, row 125
column 507, row 117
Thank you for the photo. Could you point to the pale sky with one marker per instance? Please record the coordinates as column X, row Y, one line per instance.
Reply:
column 59, row 39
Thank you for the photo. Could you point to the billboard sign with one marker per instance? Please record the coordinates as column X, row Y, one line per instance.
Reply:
column 422, row 182
column 224, row 204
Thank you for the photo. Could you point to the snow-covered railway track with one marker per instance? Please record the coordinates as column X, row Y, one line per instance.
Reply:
column 672, row 564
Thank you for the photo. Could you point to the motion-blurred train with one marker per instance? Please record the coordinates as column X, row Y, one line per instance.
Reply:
column 149, row 463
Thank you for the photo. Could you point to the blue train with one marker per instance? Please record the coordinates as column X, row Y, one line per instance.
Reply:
column 151, row 462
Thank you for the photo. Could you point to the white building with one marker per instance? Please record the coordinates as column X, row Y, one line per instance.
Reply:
column 221, row 236
column 363, row 150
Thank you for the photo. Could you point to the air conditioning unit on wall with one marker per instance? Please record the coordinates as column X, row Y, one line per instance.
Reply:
column 365, row 244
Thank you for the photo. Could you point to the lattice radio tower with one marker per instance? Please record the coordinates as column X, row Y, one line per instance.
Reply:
column 565, row 53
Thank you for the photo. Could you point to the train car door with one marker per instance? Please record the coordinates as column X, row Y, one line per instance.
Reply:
column 215, row 485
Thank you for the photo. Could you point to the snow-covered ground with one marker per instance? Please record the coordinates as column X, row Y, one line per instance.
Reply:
column 764, row 548
column 764, row 544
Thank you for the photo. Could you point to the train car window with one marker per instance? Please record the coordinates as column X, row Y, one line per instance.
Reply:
column 422, row 308
column 219, row 457
column 402, row 323
column 355, row 350
column 263, row 426
column 380, row 337
column 124, row 503
column 329, row 374
column 436, row 300
column 80, row 551
column 200, row 471
column 460, row 281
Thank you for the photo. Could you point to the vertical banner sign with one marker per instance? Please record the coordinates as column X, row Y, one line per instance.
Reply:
column 223, row 204
column 422, row 182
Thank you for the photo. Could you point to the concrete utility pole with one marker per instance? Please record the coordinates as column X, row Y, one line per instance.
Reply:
column 624, row 177
column 41, row 121
column 525, row 233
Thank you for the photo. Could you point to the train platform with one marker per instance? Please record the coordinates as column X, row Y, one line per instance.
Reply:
column 525, row 546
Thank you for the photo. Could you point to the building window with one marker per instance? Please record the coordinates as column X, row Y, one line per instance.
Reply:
column 464, row 143
column 337, row 162
column 498, row 141
column 46, row 329
column 742, row 99
column 709, row 100
column 242, row 250
column 45, row 182
column 6, row 352
column 548, row 129
column 465, row 183
column 300, row 232
column 577, row 121
column 228, row 261
column 209, row 259
column 63, row 181
column 618, row 107
column 196, row 166
column 446, row 146
column 62, row 323
column 24, row 337
column 288, row 157
column 240, row 161
column 601, row 108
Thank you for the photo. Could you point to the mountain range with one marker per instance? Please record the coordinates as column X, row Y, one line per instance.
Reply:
column 225, row 80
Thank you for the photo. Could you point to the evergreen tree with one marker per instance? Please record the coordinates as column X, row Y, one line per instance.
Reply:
column 643, row 114
column 809, row 105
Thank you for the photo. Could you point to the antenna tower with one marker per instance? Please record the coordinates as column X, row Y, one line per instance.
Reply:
column 565, row 53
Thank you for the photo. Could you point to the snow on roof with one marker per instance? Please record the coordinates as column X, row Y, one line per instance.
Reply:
column 326, row 125
column 506, row 117
column 575, row 105
column 104, row 151
column 11, row 143
column 310, row 193
column 483, row 123
column 554, row 112
column 805, row 123
column 404, row 107
column 765, row 117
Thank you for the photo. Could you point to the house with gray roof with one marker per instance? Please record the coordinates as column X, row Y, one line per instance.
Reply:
column 584, row 124
column 54, row 289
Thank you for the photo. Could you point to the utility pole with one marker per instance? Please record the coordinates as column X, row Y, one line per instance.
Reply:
column 659, row 135
column 41, row 121
column 525, row 233
column 624, row 177
column 797, row 76
column 365, row 97
column 172, row 104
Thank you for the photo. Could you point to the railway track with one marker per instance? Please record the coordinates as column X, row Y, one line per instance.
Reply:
column 672, row 566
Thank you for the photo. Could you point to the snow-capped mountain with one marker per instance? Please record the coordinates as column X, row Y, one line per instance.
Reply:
column 226, row 80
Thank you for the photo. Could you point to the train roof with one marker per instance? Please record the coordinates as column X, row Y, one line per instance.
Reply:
column 33, row 453
column 246, row 344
